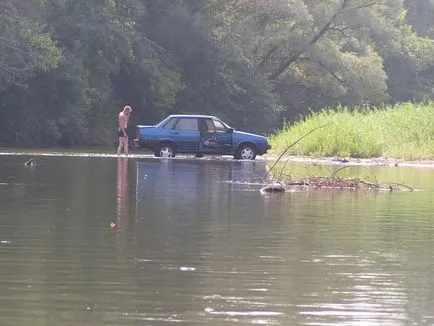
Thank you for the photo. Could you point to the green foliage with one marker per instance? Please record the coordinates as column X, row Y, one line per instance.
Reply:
column 68, row 66
column 214, row 81
column 24, row 46
column 421, row 16
column 402, row 131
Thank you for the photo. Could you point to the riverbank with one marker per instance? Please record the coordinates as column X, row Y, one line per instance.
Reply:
column 108, row 153
column 377, row 161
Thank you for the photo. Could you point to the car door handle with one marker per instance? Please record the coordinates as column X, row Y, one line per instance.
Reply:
column 174, row 133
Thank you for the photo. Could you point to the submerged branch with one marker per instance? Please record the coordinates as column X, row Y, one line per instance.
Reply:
column 335, row 182
column 287, row 148
column 399, row 184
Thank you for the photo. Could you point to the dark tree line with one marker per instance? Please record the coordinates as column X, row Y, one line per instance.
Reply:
column 68, row 66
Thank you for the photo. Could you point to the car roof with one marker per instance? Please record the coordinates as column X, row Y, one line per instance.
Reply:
column 192, row 116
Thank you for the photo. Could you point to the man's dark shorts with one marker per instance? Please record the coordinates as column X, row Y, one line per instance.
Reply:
column 119, row 133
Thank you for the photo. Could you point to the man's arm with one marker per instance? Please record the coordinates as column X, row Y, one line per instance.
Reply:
column 127, row 118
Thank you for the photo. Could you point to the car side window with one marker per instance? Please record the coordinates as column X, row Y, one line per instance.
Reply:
column 219, row 126
column 209, row 125
column 170, row 123
column 187, row 124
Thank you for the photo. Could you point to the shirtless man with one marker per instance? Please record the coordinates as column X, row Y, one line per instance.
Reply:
column 123, row 118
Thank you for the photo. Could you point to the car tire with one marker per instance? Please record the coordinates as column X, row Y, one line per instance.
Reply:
column 246, row 152
column 165, row 150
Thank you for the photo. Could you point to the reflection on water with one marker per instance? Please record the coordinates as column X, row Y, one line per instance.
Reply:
column 192, row 248
column 122, row 190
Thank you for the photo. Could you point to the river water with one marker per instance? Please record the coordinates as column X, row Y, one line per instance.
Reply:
column 143, row 241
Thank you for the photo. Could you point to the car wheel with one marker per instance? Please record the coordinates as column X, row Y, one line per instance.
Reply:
column 165, row 150
column 246, row 152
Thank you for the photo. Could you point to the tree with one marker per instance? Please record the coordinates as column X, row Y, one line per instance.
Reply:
column 68, row 66
column 331, row 51
column 77, row 102
column 215, row 82
column 421, row 16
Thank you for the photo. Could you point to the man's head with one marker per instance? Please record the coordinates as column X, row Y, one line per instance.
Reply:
column 128, row 109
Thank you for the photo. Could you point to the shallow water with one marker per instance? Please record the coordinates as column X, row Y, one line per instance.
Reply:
column 188, row 247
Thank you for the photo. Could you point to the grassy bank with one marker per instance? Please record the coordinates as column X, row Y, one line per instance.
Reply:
column 403, row 131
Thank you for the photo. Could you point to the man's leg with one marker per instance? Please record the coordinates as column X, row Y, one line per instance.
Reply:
column 121, row 142
column 126, row 145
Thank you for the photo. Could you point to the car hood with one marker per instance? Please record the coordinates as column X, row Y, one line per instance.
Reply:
column 247, row 135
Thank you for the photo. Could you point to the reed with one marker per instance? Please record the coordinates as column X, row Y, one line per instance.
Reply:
column 403, row 131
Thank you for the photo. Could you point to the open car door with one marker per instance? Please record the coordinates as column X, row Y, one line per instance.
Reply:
column 215, row 136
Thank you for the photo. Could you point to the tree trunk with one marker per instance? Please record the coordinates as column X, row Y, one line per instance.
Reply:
column 294, row 57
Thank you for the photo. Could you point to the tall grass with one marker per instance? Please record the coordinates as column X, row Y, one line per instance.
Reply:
column 402, row 131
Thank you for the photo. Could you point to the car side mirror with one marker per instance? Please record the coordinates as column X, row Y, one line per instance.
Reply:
column 230, row 130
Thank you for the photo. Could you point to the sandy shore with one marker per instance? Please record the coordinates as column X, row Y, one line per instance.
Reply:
column 380, row 161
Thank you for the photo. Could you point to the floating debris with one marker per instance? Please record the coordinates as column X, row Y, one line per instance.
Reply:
column 187, row 269
column 30, row 162
column 273, row 188
column 340, row 159
column 333, row 181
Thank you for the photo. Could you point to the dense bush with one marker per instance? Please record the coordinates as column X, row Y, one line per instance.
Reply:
column 401, row 131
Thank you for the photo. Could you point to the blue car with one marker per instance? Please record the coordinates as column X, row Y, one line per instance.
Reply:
column 199, row 134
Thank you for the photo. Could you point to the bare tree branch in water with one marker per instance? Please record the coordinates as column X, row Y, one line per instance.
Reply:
column 287, row 148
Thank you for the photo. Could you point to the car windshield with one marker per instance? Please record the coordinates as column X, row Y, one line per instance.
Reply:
column 219, row 126
column 226, row 125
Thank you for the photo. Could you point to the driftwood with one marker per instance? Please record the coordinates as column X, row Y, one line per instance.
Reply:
column 273, row 188
column 333, row 181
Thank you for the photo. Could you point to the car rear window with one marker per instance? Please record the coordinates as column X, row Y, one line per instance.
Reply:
column 187, row 124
